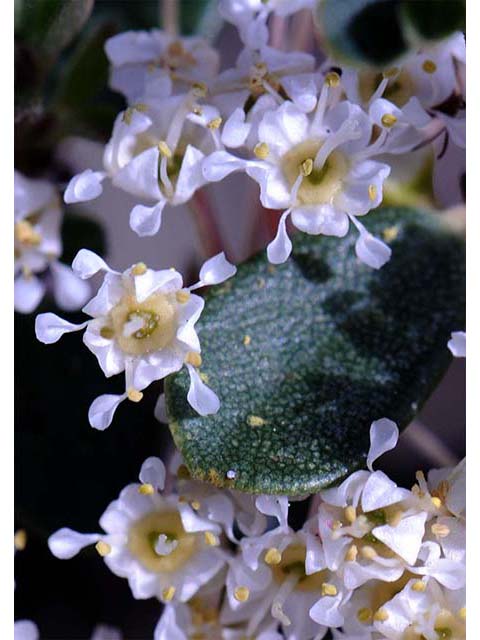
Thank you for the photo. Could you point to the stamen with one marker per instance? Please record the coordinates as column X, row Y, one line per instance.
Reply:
column 26, row 234
column 199, row 90
column 395, row 518
column 388, row 120
column 329, row 589
column 368, row 552
column 332, row 79
column 195, row 504
column 352, row 553
column 168, row 593
column 261, row 150
column 241, row 594
column 211, row 539
column 381, row 615
column 419, row 586
column 440, row 530
column 139, row 269
column 193, row 358
column 364, row 615
column 103, row 548
column 437, row 503
column 20, row 540
column 348, row 131
column 134, row 395
column 164, row 177
column 146, row 489
column 215, row 123
column 350, row 514
column 182, row 296
column 372, row 192
column 429, row 66
column 273, row 556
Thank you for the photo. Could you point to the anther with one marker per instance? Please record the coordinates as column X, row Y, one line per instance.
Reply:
column 193, row 358
column 388, row 120
column 273, row 556
column 134, row 395
column 182, row 296
column 352, row 553
column 214, row 124
column 241, row 594
column 20, row 540
column 168, row 593
column 440, row 530
column 381, row 615
column 261, row 150
column 437, row 503
column 329, row 589
column 255, row 421
column 103, row 548
column 368, row 552
column 306, row 167
column 164, row 149
column 419, row 586
column 364, row 615
column 211, row 539
column 429, row 66
column 350, row 514
column 139, row 269
column 195, row 504
column 199, row 89
column 372, row 192
column 246, row 340
column 146, row 489
column 332, row 79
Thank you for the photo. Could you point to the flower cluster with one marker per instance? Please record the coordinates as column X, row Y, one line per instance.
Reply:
column 372, row 561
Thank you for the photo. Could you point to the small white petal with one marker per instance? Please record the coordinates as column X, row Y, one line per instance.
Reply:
column 200, row 397
column 383, row 437
column 102, row 409
column 49, row 327
column 146, row 221
column 84, row 186
column 380, row 491
column 280, row 248
column 70, row 291
column 153, row 472
column 66, row 543
column 235, row 130
column 28, row 293
column 276, row 506
column 105, row 632
column 216, row 270
column 372, row 251
column 221, row 164
column 165, row 280
column 25, row 630
column 160, row 411
column 87, row 263
column 458, row 344
column 405, row 538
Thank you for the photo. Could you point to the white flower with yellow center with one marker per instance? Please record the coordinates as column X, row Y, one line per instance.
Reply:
column 318, row 168
column 143, row 323
column 267, row 71
column 37, row 247
column 147, row 541
column 250, row 16
column 154, row 64
column 155, row 153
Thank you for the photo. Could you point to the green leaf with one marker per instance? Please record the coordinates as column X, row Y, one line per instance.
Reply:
column 332, row 345
column 435, row 19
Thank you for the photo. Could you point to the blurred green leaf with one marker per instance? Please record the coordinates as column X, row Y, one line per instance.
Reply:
column 434, row 19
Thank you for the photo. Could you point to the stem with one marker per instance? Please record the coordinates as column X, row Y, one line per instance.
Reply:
column 206, row 224
column 169, row 16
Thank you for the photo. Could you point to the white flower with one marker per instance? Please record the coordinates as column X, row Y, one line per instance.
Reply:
column 148, row 541
column 106, row 632
column 154, row 64
column 318, row 168
column 142, row 323
column 38, row 246
column 458, row 344
column 25, row 630
column 250, row 16
column 155, row 153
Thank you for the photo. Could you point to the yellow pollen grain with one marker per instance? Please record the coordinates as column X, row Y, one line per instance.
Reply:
column 463, row 613
column 329, row 589
column 211, row 539
column 20, row 540
column 241, row 594
column 139, row 269
column 437, row 503
column 380, row 615
column 168, row 593
column 261, row 150
column 440, row 530
column 429, row 66
column 273, row 556
column 390, row 73
column 372, row 192
column 364, row 615
column 200, row 89
column 306, row 167
column 332, row 79
column 182, row 296
column 388, row 120
column 368, row 552
column 255, row 421
column 246, row 340
column 350, row 514
column 390, row 234
column 164, row 149
column 419, row 586
column 146, row 489
column 352, row 553
column 193, row 358
column 134, row 395
column 103, row 548
column 215, row 123
column 195, row 504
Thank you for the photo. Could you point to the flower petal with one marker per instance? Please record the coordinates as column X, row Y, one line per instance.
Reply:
column 84, row 187
column 102, row 409
column 215, row 270
column 66, row 543
column 87, row 263
column 70, row 291
column 235, row 130
column 28, row 293
column 276, row 506
column 372, row 251
column 280, row 247
column 200, row 397
column 153, row 472
column 146, row 221
column 383, row 437
column 49, row 327
column 458, row 344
